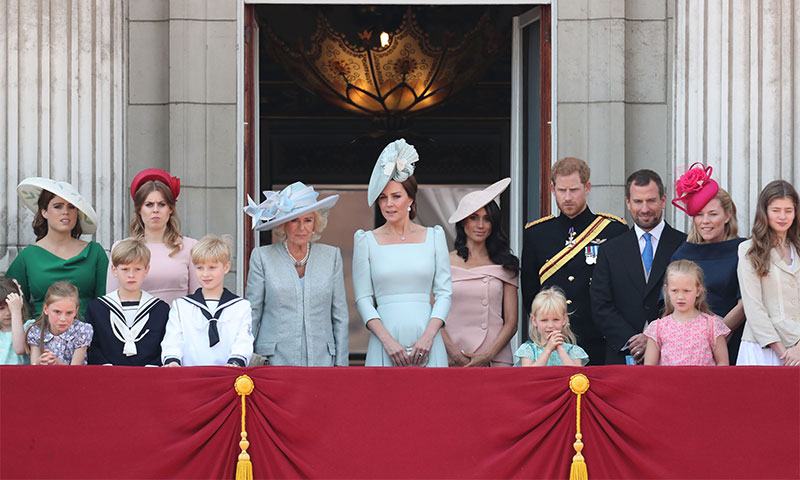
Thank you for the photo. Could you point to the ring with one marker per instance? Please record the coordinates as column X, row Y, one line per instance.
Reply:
column 419, row 355
column 638, row 353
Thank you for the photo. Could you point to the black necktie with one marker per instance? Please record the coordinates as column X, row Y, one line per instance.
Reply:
column 213, row 333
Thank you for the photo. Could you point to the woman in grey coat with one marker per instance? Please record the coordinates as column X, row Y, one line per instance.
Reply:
column 296, row 286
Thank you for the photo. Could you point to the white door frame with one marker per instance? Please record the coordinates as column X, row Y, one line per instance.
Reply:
column 515, row 212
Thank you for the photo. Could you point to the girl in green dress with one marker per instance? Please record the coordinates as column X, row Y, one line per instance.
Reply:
column 61, row 216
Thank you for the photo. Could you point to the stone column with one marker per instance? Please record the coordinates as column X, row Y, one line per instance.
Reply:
column 737, row 77
column 61, row 109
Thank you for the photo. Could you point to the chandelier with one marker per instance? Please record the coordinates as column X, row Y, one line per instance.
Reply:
column 388, row 76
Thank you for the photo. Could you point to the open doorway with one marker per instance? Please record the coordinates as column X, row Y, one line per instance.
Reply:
column 467, row 142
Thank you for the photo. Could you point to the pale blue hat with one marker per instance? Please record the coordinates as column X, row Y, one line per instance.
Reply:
column 396, row 162
column 293, row 201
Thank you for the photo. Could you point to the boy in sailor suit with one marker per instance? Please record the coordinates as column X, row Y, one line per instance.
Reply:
column 128, row 323
column 212, row 325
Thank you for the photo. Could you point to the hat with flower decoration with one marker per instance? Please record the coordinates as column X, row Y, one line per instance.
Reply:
column 30, row 189
column 292, row 202
column 396, row 162
column 694, row 189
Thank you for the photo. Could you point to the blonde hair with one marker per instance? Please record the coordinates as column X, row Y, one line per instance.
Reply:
column 320, row 222
column 686, row 267
column 568, row 166
column 172, row 234
column 57, row 291
column 130, row 250
column 212, row 248
column 731, row 227
column 549, row 300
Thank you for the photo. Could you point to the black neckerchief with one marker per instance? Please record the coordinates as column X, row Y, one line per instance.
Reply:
column 225, row 300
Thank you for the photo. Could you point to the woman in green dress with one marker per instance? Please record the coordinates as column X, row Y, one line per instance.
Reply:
column 61, row 216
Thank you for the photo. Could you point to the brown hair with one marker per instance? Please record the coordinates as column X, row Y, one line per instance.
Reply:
column 642, row 178
column 568, row 166
column 549, row 300
column 172, row 235
column 411, row 187
column 763, row 237
column 691, row 268
column 8, row 286
column 731, row 227
column 130, row 250
column 40, row 227
column 57, row 291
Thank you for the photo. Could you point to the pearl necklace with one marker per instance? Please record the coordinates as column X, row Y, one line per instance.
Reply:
column 297, row 263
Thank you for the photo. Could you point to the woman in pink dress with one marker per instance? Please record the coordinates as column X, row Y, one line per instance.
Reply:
column 483, row 315
column 156, row 222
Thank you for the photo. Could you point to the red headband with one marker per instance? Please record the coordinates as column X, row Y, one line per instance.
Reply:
column 695, row 189
column 174, row 183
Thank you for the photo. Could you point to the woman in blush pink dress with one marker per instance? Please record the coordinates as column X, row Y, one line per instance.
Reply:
column 156, row 223
column 483, row 314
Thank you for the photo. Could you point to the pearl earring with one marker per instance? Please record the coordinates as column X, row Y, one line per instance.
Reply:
column 409, row 208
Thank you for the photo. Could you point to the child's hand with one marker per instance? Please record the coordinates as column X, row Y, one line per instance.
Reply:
column 173, row 364
column 14, row 301
column 554, row 340
column 231, row 365
column 47, row 358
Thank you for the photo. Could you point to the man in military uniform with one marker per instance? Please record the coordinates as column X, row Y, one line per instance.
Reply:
column 562, row 251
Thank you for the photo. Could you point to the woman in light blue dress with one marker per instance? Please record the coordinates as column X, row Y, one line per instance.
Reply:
column 397, row 267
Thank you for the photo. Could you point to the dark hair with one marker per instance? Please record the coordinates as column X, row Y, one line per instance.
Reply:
column 642, row 178
column 410, row 186
column 764, row 239
column 40, row 227
column 497, row 243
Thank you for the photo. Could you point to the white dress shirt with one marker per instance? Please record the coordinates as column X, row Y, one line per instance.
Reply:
column 654, row 238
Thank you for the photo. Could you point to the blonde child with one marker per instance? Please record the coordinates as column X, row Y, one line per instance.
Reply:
column 552, row 341
column 56, row 338
column 12, row 316
column 688, row 334
column 212, row 326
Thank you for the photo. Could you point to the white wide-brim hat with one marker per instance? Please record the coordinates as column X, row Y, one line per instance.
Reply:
column 473, row 201
column 30, row 189
column 293, row 201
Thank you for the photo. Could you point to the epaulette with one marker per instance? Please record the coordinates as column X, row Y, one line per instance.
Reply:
column 613, row 217
column 543, row 219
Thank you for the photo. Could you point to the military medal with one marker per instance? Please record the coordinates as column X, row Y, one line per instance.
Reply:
column 571, row 239
column 591, row 252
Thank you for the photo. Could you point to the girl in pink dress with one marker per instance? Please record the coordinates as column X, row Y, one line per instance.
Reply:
column 688, row 334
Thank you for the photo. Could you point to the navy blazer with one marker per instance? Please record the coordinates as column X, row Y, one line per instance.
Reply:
column 621, row 299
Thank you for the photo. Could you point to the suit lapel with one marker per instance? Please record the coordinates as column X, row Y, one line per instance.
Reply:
column 633, row 260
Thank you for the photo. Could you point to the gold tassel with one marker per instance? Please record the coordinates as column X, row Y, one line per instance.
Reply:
column 244, row 467
column 579, row 384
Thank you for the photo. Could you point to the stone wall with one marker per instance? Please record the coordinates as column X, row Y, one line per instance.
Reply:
column 613, row 91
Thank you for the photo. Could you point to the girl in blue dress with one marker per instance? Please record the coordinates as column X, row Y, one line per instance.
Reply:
column 397, row 267
column 553, row 342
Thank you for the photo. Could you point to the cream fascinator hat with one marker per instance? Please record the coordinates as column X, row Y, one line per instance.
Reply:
column 293, row 201
column 30, row 189
column 396, row 162
column 473, row 201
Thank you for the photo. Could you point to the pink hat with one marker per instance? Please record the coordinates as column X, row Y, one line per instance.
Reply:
column 174, row 183
column 695, row 189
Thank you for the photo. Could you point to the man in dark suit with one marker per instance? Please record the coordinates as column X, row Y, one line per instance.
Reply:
column 630, row 270
column 561, row 251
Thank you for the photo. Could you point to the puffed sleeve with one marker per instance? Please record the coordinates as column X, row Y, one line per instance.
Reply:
column 172, row 344
column 442, row 283
column 339, row 314
column 577, row 353
column 242, row 348
column 526, row 351
column 256, row 288
column 83, row 338
column 362, row 278
column 758, row 320
column 111, row 281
